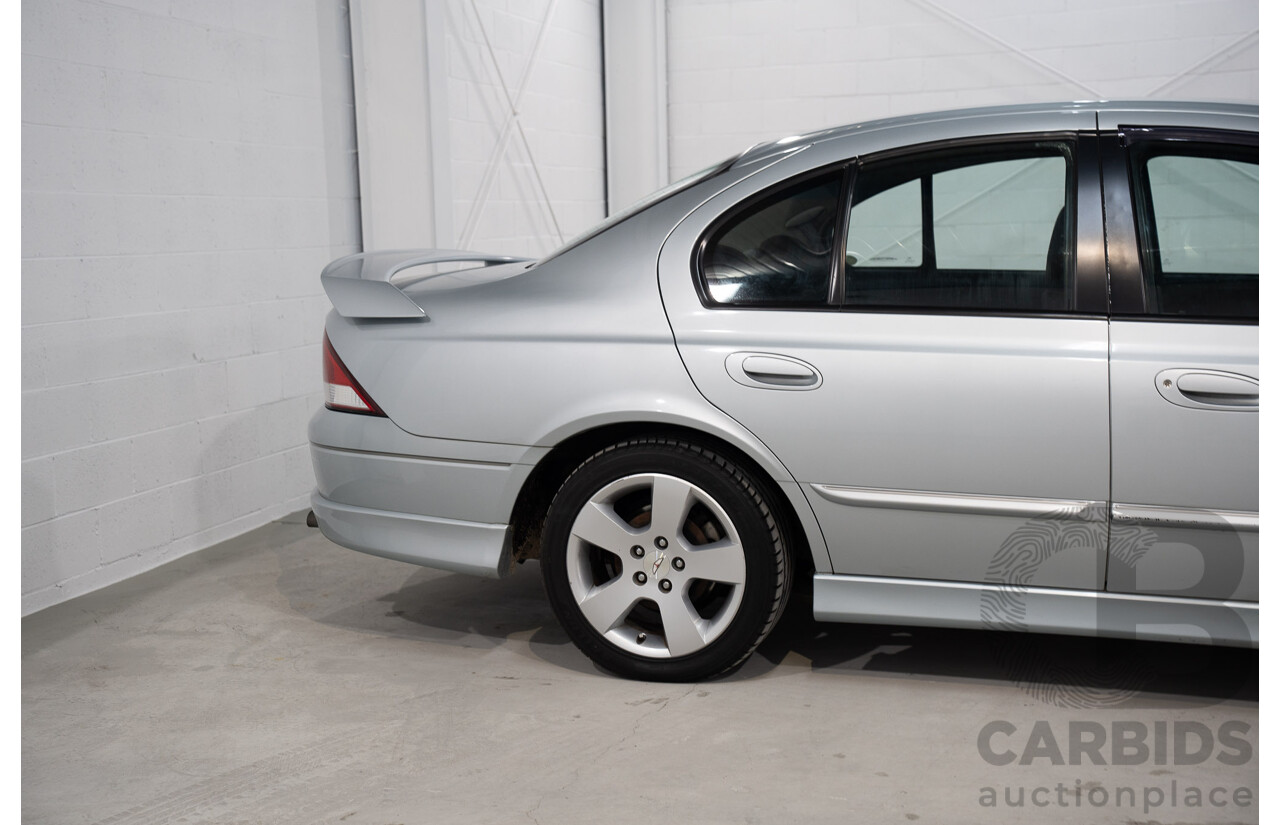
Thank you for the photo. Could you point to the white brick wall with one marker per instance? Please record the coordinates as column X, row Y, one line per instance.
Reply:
column 742, row 71
column 188, row 168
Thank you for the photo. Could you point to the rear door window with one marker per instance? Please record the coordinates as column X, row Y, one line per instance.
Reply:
column 986, row 231
column 1197, row 213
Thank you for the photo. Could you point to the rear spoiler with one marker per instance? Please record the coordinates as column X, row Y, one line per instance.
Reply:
column 360, row 285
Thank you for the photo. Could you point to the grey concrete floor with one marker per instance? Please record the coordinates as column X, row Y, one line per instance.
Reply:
column 278, row 678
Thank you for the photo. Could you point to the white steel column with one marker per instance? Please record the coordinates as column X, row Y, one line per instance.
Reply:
column 635, row 95
column 441, row 180
column 394, row 137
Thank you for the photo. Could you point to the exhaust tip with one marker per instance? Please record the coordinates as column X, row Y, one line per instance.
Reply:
column 311, row 519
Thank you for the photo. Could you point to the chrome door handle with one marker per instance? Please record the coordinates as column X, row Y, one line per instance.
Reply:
column 765, row 366
column 771, row 371
column 1208, row 389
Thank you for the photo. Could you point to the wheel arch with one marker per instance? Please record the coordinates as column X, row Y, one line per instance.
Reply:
column 807, row 547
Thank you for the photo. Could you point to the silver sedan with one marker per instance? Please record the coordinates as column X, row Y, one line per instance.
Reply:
column 988, row 368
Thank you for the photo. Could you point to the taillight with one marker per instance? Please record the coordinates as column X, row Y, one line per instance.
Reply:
column 343, row 392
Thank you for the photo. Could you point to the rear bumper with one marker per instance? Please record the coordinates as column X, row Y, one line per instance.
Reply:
column 448, row 544
column 433, row 502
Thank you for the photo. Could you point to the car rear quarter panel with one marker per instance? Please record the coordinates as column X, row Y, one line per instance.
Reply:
column 582, row 337
column 579, row 342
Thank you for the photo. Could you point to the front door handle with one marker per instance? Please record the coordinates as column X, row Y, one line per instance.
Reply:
column 1201, row 389
column 772, row 371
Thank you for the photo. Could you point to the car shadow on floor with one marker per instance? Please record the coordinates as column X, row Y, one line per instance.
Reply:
column 1066, row 671
column 1061, row 670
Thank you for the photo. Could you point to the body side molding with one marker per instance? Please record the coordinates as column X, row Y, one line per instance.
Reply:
column 1078, row 510
column 1184, row 517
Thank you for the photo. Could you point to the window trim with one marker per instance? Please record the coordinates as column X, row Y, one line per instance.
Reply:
column 1138, row 145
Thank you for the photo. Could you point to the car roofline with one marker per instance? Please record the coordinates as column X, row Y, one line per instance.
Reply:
column 767, row 148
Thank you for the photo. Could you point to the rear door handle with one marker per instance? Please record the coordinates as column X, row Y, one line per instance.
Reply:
column 771, row 371
column 1208, row 389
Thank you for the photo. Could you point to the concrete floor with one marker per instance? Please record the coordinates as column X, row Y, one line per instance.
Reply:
column 278, row 678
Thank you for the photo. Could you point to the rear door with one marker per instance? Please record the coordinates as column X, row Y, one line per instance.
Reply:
column 1182, row 234
column 921, row 338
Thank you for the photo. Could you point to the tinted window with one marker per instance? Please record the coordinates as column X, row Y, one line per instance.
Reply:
column 884, row 229
column 777, row 251
column 987, row 231
column 1198, row 222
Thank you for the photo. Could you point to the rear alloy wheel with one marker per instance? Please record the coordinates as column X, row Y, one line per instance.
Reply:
column 664, row 561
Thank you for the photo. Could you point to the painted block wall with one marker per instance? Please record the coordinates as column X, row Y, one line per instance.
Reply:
column 188, row 168
column 743, row 71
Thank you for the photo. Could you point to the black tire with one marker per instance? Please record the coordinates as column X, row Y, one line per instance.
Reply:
column 678, row 591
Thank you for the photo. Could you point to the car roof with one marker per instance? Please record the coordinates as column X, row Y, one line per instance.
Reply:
column 1010, row 117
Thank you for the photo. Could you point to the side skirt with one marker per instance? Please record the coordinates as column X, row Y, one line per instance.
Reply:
column 1033, row 609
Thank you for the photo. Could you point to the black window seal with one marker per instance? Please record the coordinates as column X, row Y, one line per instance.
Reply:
column 1130, row 135
column 835, row 298
column 929, row 252
column 1214, row 320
